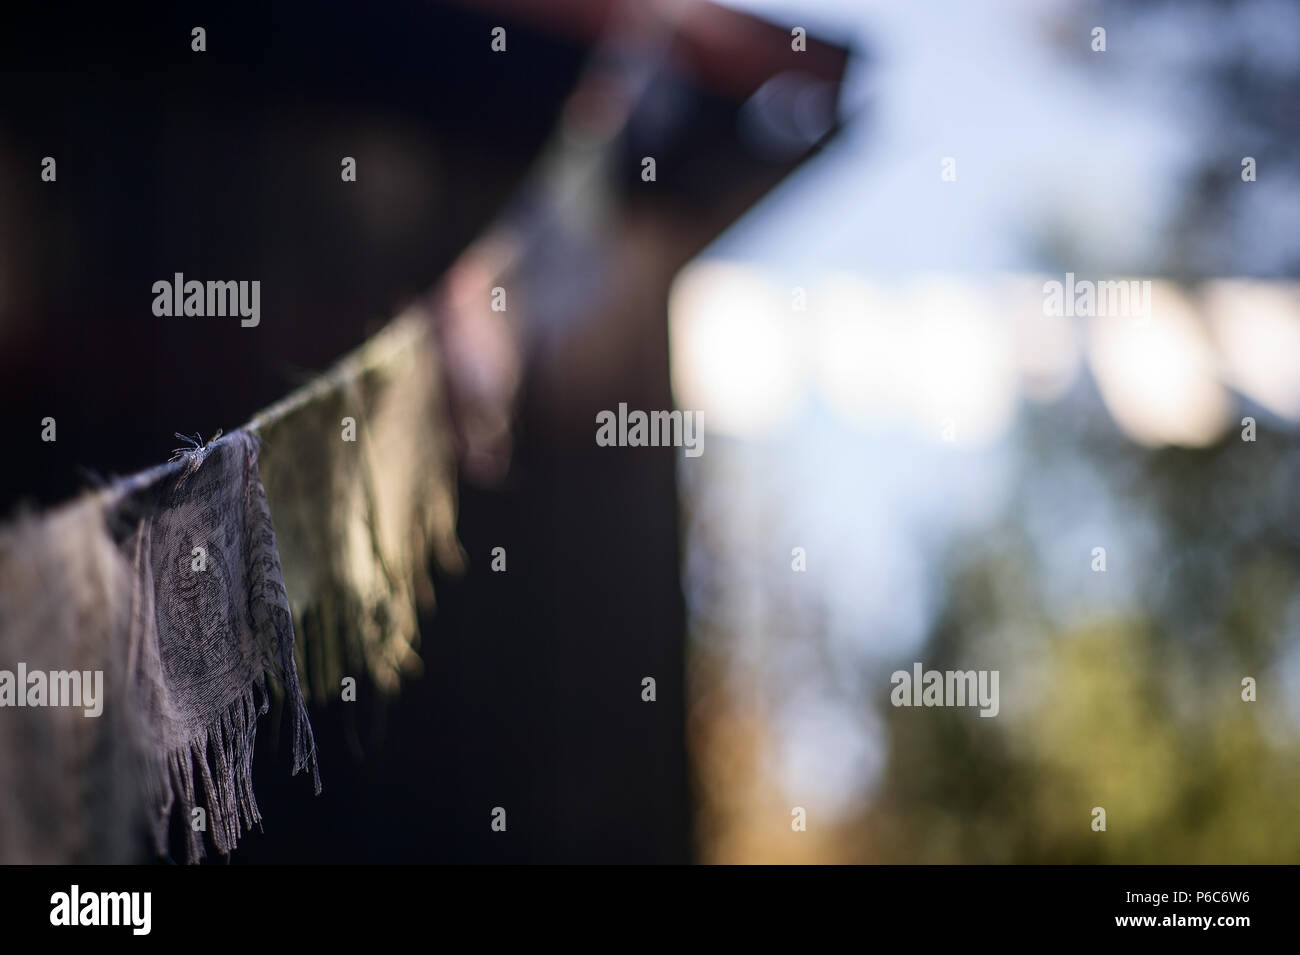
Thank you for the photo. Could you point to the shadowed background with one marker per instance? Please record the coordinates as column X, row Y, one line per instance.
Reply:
column 226, row 165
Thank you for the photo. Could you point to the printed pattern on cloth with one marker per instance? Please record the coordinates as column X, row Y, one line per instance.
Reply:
column 210, row 621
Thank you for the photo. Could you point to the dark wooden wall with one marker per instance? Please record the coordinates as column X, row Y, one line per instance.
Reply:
column 225, row 165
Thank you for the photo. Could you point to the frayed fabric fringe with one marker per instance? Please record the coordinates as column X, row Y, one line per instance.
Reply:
column 223, row 757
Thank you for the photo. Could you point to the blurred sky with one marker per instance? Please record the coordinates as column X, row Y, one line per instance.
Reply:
column 1066, row 159
column 1050, row 138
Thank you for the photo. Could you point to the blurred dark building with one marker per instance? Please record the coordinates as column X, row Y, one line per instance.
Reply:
column 225, row 165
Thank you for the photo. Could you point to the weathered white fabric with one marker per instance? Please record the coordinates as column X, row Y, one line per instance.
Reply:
column 360, row 472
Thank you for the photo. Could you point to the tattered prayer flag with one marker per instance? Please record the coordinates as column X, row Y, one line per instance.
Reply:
column 360, row 471
column 209, row 622
column 69, row 783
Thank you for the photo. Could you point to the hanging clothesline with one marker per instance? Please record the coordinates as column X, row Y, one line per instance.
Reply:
column 297, row 543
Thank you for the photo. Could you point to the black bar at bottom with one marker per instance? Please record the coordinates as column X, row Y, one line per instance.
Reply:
column 254, row 905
